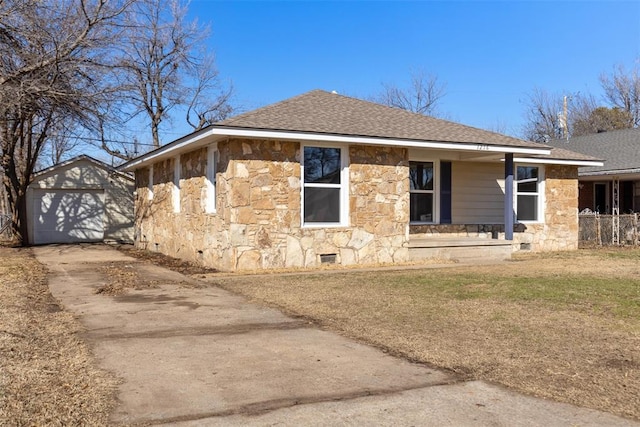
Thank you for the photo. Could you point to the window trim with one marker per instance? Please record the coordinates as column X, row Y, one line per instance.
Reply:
column 150, row 183
column 175, row 191
column 343, row 186
column 540, row 191
column 210, row 179
column 435, row 218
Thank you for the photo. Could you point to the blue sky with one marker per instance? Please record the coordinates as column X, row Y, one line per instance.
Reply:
column 489, row 54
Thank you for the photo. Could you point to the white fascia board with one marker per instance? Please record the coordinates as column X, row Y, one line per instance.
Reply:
column 208, row 135
column 457, row 146
column 558, row 161
column 172, row 149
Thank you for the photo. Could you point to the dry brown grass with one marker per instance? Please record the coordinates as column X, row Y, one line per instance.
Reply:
column 47, row 374
column 563, row 326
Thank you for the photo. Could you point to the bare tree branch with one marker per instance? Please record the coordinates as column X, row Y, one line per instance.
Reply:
column 56, row 73
column 166, row 66
column 622, row 91
column 421, row 96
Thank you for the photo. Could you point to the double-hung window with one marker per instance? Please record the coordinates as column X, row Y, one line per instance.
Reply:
column 324, row 199
column 528, row 189
column 421, row 192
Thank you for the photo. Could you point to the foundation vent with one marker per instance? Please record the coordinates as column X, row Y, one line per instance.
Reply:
column 327, row 258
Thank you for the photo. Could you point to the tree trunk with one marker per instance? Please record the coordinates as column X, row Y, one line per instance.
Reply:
column 20, row 220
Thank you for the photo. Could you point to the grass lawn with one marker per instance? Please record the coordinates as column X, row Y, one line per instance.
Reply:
column 47, row 374
column 564, row 326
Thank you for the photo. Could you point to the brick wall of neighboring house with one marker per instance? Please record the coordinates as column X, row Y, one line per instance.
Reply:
column 558, row 232
column 258, row 219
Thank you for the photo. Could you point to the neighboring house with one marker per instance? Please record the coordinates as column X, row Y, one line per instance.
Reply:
column 327, row 178
column 80, row 200
column 617, row 181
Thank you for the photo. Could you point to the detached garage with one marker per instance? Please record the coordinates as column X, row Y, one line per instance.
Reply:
column 80, row 200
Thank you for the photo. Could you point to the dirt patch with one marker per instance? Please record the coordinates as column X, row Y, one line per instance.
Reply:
column 123, row 276
column 47, row 373
column 181, row 266
column 563, row 326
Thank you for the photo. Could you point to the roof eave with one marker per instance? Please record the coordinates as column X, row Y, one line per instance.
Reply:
column 78, row 158
column 215, row 133
column 569, row 162
column 611, row 172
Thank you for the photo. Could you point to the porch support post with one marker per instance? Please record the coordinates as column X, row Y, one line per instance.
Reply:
column 508, row 196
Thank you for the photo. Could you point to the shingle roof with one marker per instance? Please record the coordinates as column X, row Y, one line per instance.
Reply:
column 319, row 113
column 329, row 113
column 619, row 149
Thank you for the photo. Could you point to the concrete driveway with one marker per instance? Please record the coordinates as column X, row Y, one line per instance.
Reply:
column 201, row 356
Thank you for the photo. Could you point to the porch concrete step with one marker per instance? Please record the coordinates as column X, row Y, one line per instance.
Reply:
column 460, row 249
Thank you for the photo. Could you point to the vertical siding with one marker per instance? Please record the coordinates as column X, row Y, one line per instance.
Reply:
column 477, row 193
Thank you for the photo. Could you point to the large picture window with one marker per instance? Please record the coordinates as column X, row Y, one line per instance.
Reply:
column 421, row 191
column 528, row 193
column 323, row 186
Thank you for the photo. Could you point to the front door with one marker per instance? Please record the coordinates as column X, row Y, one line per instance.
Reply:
column 600, row 196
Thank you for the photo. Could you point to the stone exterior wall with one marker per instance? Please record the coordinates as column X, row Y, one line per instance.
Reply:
column 560, row 229
column 558, row 232
column 257, row 224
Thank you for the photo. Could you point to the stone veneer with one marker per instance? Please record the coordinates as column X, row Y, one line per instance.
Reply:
column 558, row 232
column 258, row 219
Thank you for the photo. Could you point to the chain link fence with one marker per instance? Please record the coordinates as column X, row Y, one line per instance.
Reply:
column 5, row 225
column 598, row 230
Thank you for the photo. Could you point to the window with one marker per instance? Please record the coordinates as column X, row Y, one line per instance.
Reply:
column 150, row 184
column 324, row 186
column 528, row 179
column 421, row 193
column 210, row 179
column 175, row 194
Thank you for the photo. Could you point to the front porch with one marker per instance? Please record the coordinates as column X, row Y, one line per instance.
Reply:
column 461, row 242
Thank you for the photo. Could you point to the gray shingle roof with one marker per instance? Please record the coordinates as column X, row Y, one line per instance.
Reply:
column 329, row 113
column 332, row 115
column 619, row 149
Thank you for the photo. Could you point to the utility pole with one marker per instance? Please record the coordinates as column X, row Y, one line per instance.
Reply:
column 565, row 130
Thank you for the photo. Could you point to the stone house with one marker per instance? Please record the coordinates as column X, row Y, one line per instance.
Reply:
column 616, row 182
column 324, row 178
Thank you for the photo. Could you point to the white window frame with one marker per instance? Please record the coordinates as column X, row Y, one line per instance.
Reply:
column 539, row 193
column 150, row 184
column 436, row 191
column 343, row 186
column 175, row 192
column 210, row 179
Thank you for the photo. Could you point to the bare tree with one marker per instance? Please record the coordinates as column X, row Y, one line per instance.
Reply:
column 542, row 116
column 622, row 91
column 165, row 66
column 421, row 95
column 56, row 65
column 550, row 116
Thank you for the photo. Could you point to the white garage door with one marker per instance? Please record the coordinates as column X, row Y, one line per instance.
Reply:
column 68, row 216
